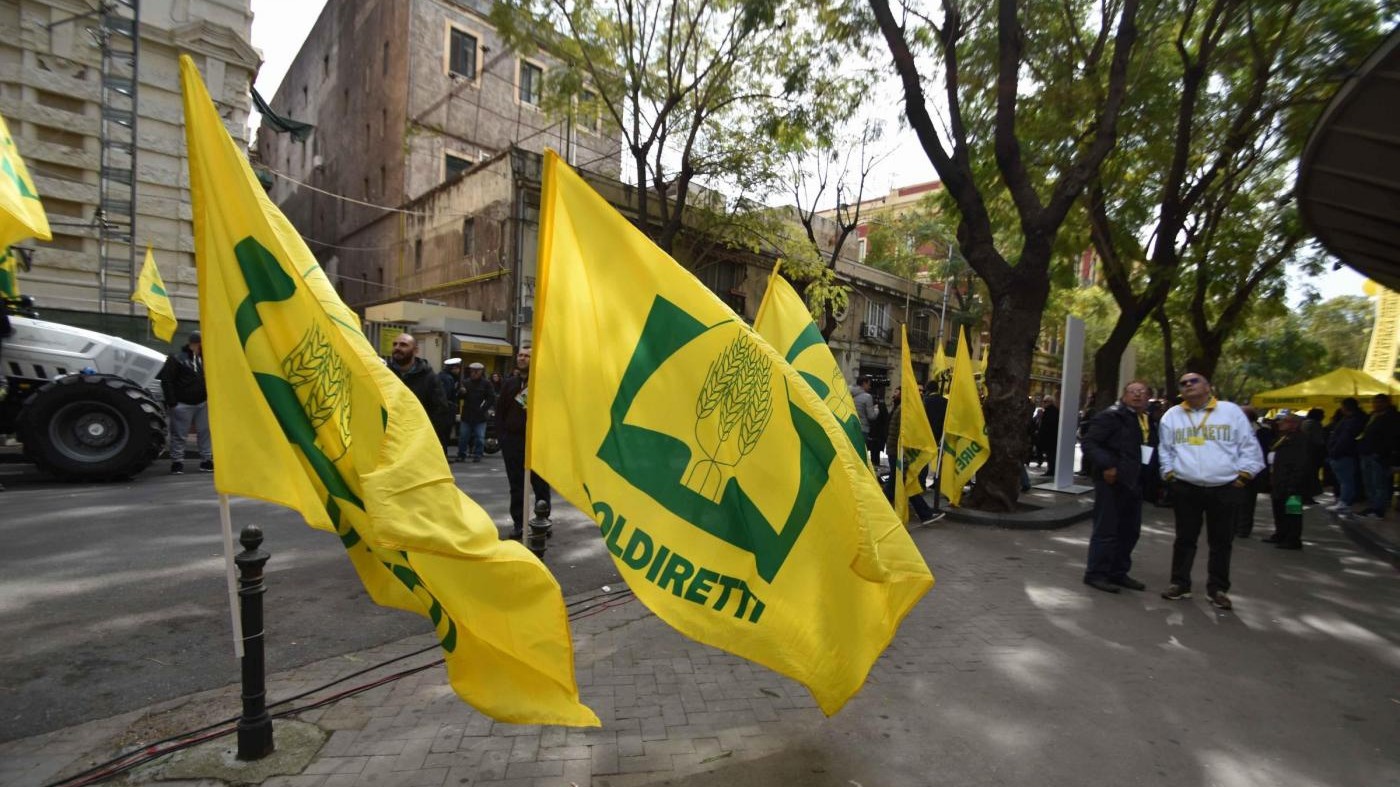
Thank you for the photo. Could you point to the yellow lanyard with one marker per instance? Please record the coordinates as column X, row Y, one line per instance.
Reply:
column 1142, row 422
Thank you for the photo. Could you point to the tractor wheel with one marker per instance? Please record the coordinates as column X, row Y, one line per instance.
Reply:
column 92, row 427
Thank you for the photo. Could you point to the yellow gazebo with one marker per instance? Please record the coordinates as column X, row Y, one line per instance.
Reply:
column 1326, row 392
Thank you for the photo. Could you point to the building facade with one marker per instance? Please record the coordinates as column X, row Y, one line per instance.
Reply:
column 407, row 96
column 58, row 99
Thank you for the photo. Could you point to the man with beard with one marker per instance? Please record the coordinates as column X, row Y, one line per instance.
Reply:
column 418, row 375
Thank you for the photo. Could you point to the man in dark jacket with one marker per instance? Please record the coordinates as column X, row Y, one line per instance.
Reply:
column 476, row 399
column 1118, row 442
column 418, row 375
column 1341, row 452
column 1377, row 445
column 1048, row 435
column 186, row 402
column 510, row 430
column 1288, row 477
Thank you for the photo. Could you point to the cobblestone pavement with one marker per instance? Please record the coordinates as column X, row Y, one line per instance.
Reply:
column 1010, row 672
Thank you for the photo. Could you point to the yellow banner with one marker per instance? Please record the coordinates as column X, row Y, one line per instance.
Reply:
column 150, row 290
column 965, row 447
column 784, row 321
column 731, row 499
column 9, row 274
column 21, row 213
column 304, row 414
column 917, row 446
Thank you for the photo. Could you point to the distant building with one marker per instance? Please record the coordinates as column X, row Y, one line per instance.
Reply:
column 406, row 97
column 74, row 119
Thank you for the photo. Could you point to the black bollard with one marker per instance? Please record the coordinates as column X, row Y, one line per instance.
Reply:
column 254, row 726
column 540, row 528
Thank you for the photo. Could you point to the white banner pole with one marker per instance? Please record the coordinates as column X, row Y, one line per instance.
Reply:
column 226, row 519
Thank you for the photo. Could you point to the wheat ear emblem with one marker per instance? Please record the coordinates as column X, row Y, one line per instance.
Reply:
column 731, row 412
column 322, row 382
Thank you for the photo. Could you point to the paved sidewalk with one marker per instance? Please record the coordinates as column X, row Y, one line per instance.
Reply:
column 1011, row 672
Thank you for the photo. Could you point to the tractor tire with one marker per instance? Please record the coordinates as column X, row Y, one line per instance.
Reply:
column 92, row 427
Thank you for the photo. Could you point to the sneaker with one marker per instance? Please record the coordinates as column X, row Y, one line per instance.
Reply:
column 932, row 518
column 1176, row 592
column 177, row 468
column 1219, row 600
column 207, row 466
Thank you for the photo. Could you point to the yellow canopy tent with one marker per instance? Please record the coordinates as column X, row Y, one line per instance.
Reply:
column 1326, row 392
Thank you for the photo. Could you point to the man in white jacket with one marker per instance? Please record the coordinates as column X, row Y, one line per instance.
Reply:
column 1208, row 453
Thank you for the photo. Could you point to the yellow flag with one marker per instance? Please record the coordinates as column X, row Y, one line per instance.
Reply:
column 784, row 321
column 21, row 214
column 965, row 445
column 304, row 414
column 9, row 275
column 917, row 446
column 731, row 500
column 150, row 290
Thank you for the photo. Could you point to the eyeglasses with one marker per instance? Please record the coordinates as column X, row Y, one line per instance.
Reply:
column 1190, row 381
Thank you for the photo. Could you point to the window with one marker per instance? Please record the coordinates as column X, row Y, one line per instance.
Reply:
column 725, row 279
column 454, row 165
column 590, row 112
column 531, row 80
column 861, row 246
column 461, row 53
column 468, row 236
column 325, row 66
column 383, row 181
column 877, row 314
column 418, row 254
column 384, row 68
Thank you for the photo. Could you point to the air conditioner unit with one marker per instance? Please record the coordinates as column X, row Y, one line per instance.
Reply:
column 869, row 331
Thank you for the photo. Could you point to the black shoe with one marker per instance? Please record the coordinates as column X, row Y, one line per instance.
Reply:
column 1129, row 583
column 177, row 468
column 1101, row 584
column 207, row 466
column 1270, row 540
column 476, row 459
column 515, row 535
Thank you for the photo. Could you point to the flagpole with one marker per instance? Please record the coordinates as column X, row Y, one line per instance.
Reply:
column 226, row 519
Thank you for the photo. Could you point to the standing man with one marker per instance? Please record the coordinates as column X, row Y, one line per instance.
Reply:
column 1047, row 435
column 450, row 378
column 510, row 429
column 866, row 412
column 418, row 375
column 1118, row 447
column 1377, row 445
column 1209, row 454
column 1341, row 452
column 187, row 402
column 477, row 398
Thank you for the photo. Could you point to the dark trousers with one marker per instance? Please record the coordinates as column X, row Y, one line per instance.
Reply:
column 1288, row 528
column 916, row 502
column 1215, row 506
column 1117, row 524
column 1248, row 504
column 513, row 452
column 1378, row 483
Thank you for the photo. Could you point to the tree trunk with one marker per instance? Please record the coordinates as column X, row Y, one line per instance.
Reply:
column 1108, row 359
column 1017, row 307
column 1168, row 358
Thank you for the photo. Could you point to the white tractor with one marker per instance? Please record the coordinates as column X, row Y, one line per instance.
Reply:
column 85, row 406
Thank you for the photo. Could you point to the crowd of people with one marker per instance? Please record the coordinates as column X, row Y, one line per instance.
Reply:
column 1214, row 459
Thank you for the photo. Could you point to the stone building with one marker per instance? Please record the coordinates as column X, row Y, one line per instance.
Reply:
column 406, row 96
column 55, row 99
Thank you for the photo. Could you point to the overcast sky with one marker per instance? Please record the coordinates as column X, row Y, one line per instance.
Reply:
column 280, row 27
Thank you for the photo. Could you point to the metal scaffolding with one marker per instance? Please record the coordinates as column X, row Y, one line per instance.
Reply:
column 119, row 36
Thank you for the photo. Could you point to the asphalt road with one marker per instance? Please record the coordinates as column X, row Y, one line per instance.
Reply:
column 113, row 596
